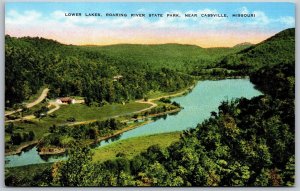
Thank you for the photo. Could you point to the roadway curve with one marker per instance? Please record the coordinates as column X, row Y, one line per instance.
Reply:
column 35, row 102
column 56, row 107
column 39, row 99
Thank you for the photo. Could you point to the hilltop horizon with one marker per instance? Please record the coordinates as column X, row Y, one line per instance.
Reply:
column 242, row 43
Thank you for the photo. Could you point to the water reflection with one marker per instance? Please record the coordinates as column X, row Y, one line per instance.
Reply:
column 159, row 117
column 198, row 105
column 174, row 113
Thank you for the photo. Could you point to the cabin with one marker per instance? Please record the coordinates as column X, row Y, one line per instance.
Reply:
column 66, row 100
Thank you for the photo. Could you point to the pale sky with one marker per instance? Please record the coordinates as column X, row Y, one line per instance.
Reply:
column 48, row 20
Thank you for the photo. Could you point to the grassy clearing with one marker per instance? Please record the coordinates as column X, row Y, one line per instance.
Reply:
column 83, row 113
column 37, row 126
column 40, row 129
column 157, row 94
column 79, row 111
column 132, row 147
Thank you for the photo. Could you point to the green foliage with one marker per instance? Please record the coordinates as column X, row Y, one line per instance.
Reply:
column 134, row 146
column 42, row 112
column 289, row 172
column 165, row 100
column 279, row 48
column 284, row 76
column 185, row 58
column 16, row 139
column 76, row 170
column 30, row 175
column 71, row 119
column 31, row 136
column 82, row 71
column 65, row 136
column 9, row 128
column 245, row 143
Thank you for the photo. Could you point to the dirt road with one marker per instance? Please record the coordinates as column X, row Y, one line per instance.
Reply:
column 57, row 106
column 35, row 102
column 39, row 99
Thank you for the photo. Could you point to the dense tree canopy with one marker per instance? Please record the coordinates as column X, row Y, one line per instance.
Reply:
column 248, row 143
column 74, row 71
column 279, row 48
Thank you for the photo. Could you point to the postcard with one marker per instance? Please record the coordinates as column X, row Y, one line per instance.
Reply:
column 169, row 94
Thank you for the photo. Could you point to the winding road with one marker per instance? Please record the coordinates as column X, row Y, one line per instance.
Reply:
column 35, row 102
column 149, row 101
column 29, row 105
column 39, row 99
column 57, row 106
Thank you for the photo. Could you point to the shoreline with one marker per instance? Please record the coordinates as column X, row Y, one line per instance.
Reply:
column 154, row 115
column 57, row 150
column 63, row 150
column 121, row 131
column 51, row 151
column 131, row 127
column 222, row 78
column 178, row 94
column 21, row 148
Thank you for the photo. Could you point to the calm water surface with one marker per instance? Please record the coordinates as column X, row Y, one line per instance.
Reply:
column 205, row 98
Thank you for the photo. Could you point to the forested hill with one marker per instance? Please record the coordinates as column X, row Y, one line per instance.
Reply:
column 244, row 143
column 185, row 58
column 279, row 48
column 31, row 63
column 89, row 71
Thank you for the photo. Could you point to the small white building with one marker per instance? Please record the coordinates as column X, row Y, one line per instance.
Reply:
column 66, row 100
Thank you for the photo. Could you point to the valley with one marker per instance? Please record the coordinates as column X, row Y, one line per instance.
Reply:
column 151, row 114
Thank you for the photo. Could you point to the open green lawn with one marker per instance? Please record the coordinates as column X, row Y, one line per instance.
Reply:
column 83, row 113
column 80, row 112
column 133, row 146
column 40, row 129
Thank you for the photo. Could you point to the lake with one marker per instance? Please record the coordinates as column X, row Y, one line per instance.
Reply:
column 198, row 104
